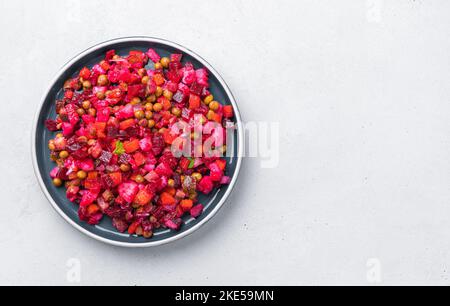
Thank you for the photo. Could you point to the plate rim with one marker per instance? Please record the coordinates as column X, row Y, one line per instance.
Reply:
column 177, row 236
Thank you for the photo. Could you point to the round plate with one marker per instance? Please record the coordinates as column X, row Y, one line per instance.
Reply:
column 105, row 232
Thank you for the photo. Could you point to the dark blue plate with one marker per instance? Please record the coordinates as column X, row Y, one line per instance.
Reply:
column 105, row 232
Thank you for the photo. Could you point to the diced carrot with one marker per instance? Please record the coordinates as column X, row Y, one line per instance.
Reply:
column 159, row 79
column 123, row 87
column 166, row 115
column 105, row 66
column 93, row 209
column 100, row 126
column 217, row 118
column 73, row 176
column 100, row 129
column 167, row 199
column 194, row 102
column 165, row 103
column 228, row 111
column 85, row 73
column 139, row 159
column 143, row 197
column 168, row 137
column 135, row 57
column 171, row 191
column 184, row 163
column 116, row 177
column 222, row 164
column 127, row 123
column 180, row 211
column 92, row 184
column 92, row 175
column 133, row 227
column 186, row 205
column 131, row 146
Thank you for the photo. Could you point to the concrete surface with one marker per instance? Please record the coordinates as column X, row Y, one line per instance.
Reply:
column 361, row 194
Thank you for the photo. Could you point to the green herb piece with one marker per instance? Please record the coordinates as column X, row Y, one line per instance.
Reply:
column 192, row 164
column 119, row 148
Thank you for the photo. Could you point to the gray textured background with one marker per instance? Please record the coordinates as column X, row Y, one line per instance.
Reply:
column 361, row 91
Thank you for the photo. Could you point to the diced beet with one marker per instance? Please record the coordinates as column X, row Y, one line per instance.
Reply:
column 197, row 210
column 206, row 185
column 103, row 115
column 110, row 54
column 105, row 157
column 189, row 76
column 72, row 114
column 168, row 159
column 95, row 219
column 176, row 66
column 151, row 53
column 151, row 87
column 205, row 92
column 152, row 177
column 120, row 225
column 196, row 89
column 98, row 69
column 125, row 113
column 179, row 97
column 184, row 89
column 132, row 131
column 72, row 193
column 68, row 94
column 136, row 91
column 163, row 183
column 62, row 174
column 112, row 131
column 68, row 129
column 88, row 198
column 108, row 181
column 73, row 146
column 186, row 114
column 163, row 170
column 82, row 213
column 125, row 158
column 216, row 173
column 172, row 86
column 226, row 180
column 80, row 154
column 70, row 165
column 158, row 144
column 51, row 125
column 173, row 224
column 120, row 201
column 202, row 76
column 124, row 75
column 86, row 165
column 88, row 119
column 128, row 191
column 149, row 167
column 96, row 150
column 176, row 57
column 54, row 172
column 104, row 205
column 174, row 75
column 146, row 144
